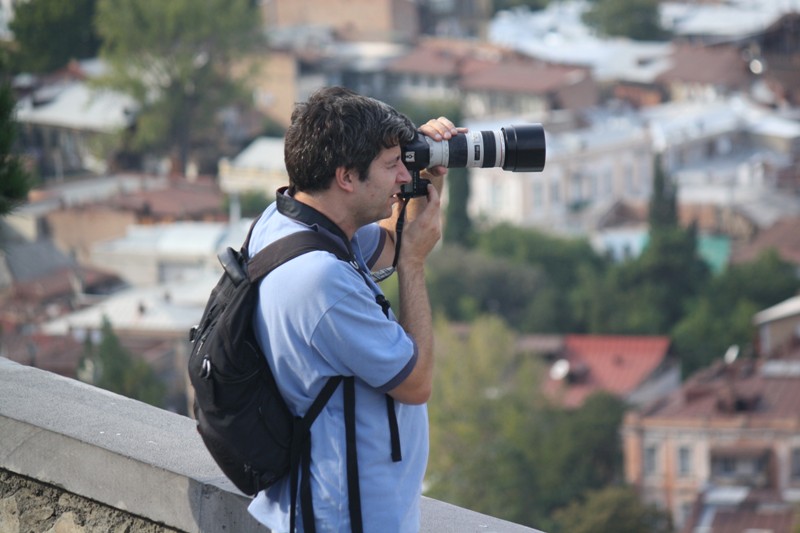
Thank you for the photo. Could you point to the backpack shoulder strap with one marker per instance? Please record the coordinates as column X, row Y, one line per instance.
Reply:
column 289, row 247
column 261, row 264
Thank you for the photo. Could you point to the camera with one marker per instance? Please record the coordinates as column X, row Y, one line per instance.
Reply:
column 519, row 148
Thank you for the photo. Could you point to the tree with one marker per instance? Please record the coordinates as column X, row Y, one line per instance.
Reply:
column 497, row 445
column 110, row 366
column 499, row 5
column 464, row 285
column 649, row 294
column 14, row 180
column 612, row 510
column 559, row 262
column 458, row 228
column 663, row 206
column 481, row 411
column 49, row 33
column 636, row 19
column 176, row 60
column 722, row 315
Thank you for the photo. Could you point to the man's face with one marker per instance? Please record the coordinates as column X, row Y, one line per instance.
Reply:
column 378, row 192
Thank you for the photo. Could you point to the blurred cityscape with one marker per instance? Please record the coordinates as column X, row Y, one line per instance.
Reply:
column 117, row 241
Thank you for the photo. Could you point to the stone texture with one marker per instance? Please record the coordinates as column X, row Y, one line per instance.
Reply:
column 28, row 506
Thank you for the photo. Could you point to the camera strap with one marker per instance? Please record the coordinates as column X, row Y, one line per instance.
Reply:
column 398, row 232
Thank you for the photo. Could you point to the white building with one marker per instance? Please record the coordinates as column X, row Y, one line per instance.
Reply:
column 259, row 167
column 585, row 172
column 154, row 254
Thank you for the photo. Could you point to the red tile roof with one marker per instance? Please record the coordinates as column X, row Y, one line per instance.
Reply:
column 617, row 364
column 486, row 67
column 446, row 57
column 522, row 76
column 717, row 65
column 182, row 200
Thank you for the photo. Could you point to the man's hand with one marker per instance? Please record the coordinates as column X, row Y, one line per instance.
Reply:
column 439, row 129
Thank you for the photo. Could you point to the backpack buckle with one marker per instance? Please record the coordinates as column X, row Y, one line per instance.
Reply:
column 205, row 370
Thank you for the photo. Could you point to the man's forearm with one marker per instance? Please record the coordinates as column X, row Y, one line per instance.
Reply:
column 416, row 319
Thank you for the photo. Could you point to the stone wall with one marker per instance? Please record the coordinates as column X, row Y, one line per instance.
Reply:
column 78, row 459
column 26, row 505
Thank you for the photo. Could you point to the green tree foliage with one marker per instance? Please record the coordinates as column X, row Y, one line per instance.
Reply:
column 175, row 58
column 663, row 206
column 481, row 407
column 14, row 180
column 458, row 228
column 496, row 445
column 252, row 203
column 464, row 285
column 575, row 451
column 560, row 262
column 722, row 315
column 611, row 510
column 499, row 5
column 110, row 366
column 636, row 19
column 49, row 33
column 649, row 294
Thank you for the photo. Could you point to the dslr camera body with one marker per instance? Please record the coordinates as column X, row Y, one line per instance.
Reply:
column 519, row 148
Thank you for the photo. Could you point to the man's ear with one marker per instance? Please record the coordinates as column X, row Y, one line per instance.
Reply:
column 345, row 178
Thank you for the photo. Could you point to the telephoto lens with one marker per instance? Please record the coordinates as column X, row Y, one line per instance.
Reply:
column 519, row 148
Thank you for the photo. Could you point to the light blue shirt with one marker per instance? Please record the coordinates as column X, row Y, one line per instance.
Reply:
column 318, row 318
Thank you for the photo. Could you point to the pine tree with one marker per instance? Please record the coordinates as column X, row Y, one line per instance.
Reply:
column 14, row 180
column 109, row 365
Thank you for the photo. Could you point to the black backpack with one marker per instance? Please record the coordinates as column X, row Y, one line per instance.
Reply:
column 241, row 416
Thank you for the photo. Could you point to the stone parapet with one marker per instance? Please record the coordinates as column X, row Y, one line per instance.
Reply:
column 90, row 460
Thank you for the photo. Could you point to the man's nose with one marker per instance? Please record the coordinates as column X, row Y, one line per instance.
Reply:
column 404, row 176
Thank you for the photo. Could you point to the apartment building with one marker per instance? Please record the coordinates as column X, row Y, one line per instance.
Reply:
column 727, row 444
column 587, row 170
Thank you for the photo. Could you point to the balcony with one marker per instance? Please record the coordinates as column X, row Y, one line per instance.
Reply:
column 70, row 452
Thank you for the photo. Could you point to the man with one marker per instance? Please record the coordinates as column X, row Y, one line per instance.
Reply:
column 318, row 315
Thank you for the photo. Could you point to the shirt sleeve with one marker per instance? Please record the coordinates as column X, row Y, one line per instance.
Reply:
column 371, row 240
column 356, row 338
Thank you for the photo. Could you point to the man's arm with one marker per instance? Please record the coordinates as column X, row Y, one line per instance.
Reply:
column 420, row 236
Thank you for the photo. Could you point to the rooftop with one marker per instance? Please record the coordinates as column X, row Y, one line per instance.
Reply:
column 751, row 393
column 617, row 364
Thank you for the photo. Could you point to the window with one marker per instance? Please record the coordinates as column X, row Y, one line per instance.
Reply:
column 726, row 466
column 650, row 460
column 795, row 471
column 555, row 193
column 684, row 461
column 538, row 195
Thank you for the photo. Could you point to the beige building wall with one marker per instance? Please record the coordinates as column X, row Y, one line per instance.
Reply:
column 74, row 231
column 367, row 20
column 273, row 78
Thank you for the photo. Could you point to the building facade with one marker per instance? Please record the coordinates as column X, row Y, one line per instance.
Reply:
column 727, row 443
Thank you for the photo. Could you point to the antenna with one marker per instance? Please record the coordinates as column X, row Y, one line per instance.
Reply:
column 559, row 370
column 731, row 354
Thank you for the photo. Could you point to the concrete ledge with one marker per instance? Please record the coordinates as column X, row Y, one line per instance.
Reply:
column 139, row 459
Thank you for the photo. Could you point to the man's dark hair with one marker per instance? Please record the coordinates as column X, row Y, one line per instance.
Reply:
column 339, row 128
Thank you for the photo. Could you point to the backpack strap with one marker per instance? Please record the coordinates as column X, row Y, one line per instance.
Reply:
column 300, row 455
column 264, row 262
column 289, row 247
